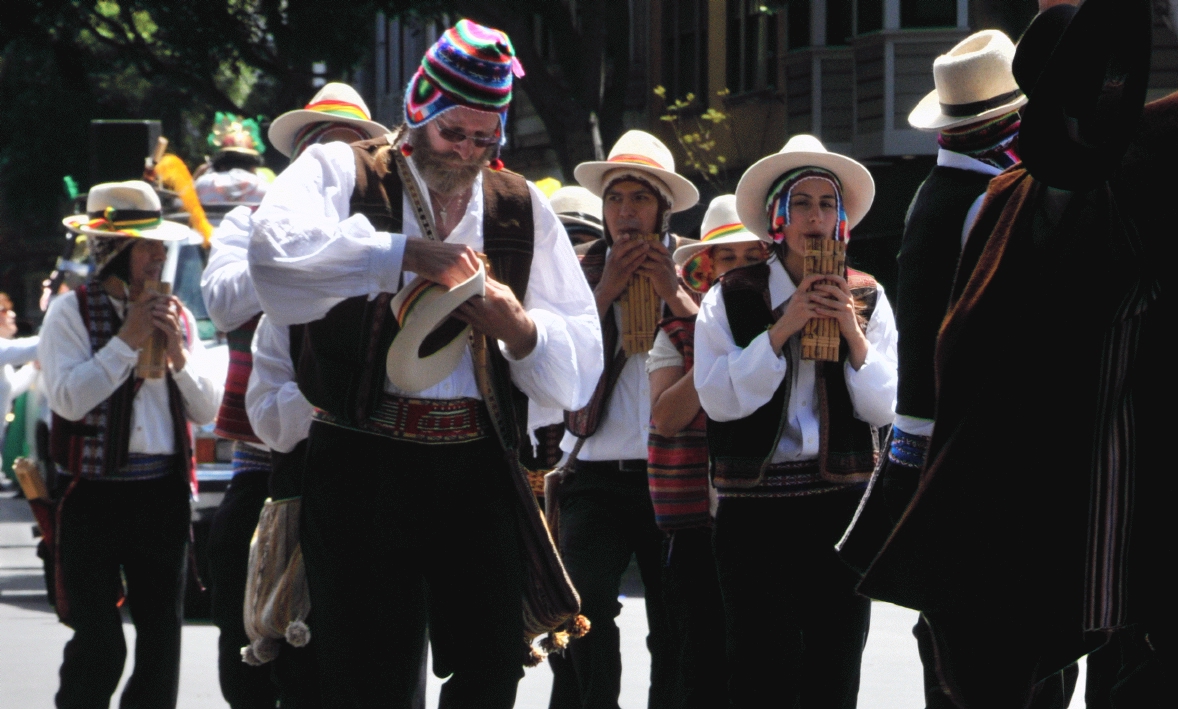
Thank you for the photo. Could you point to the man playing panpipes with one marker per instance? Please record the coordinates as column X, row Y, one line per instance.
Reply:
column 408, row 507
column 605, row 509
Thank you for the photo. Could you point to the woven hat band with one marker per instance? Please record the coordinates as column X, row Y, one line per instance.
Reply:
column 636, row 160
column 116, row 219
column 339, row 108
column 964, row 110
column 725, row 230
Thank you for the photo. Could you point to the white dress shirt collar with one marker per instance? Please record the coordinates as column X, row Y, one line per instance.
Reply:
column 948, row 158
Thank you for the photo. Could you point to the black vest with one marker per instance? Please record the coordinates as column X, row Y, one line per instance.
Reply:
column 739, row 448
column 341, row 368
column 927, row 261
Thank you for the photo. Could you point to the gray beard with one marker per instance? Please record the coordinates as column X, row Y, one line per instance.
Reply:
column 444, row 174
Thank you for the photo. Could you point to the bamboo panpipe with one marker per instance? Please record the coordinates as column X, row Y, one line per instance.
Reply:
column 820, row 336
column 640, row 311
column 153, row 358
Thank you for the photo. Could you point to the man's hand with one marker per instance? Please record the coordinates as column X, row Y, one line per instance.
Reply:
column 625, row 257
column 165, row 316
column 448, row 264
column 139, row 321
column 659, row 267
column 499, row 315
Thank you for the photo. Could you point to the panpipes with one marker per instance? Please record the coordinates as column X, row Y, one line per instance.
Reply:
column 820, row 336
column 153, row 358
column 640, row 311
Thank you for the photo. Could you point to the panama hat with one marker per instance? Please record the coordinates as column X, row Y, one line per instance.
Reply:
column 1089, row 97
column 721, row 226
column 640, row 151
column 577, row 206
column 335, row 102
column 858, row 187
column 974, row 82
column 429, row 345
column 125, row 209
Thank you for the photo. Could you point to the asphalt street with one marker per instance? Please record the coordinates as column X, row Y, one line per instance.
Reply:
column 31, row 641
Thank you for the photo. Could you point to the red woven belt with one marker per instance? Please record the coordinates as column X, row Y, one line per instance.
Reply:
column 428, row 421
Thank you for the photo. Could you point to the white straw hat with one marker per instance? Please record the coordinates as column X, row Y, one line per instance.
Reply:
column 423, row 308
column 577, row 206
column 974, row 82
column 801, row 151
column 721, row 226
column 125, row 210
column 335, row 102
column 640, row 151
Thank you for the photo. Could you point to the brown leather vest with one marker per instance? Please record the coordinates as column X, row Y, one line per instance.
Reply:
column 341, row 367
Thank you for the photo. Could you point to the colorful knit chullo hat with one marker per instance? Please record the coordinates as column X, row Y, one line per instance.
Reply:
column 470, row 65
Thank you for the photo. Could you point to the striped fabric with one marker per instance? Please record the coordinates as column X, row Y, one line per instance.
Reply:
column 247, row 458
column 232, row 421
column 470, row 65
column 426, row 421
column 793, row 479
column 141, row 466
column 677, row 466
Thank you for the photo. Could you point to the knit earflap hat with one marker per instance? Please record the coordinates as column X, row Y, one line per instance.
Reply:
column 760, row 182
column 974, row 83
column 577, row 206
column 117, row 213
column 470, row 65
column 335, row 103
column 721, row 227
column 639, row 152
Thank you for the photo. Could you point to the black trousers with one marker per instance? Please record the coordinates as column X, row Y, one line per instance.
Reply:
column 398, row 535
column 696, row 611
column 242, row 685
column 606, row 518
column 138, row 528
column 795, row 626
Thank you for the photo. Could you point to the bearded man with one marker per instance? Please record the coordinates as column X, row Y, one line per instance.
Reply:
column 434, row 535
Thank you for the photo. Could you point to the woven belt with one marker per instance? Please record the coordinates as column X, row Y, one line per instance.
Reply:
column 908, row 449
column 249, row 458
column 428, row 421
column 142, row 466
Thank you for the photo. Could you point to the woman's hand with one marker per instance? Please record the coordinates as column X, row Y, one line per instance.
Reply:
column 798, row 311
column 832, row 299
column 165, row 316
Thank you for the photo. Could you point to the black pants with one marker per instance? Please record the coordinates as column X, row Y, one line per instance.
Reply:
column 606, row 518
column 696, row 611
column 397, row 535
column 141, row 529
column 795, row 626
column 242, row 685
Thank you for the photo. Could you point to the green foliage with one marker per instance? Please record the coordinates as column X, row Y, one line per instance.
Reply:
column 693, row 130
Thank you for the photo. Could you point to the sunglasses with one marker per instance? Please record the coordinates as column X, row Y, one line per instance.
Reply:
column 454, row 136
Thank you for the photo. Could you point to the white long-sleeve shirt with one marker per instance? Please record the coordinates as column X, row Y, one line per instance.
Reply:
column 19, row 351
column 279, row 413
column 733, row 382
column 308, row 252
column 78, row 379
column 625, row 423
column 226, row 285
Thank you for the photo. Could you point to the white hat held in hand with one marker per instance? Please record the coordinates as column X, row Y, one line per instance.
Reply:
column 429, row 345
column 974, row 83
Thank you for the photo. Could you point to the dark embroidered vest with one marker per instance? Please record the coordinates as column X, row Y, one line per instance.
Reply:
column 739, row 449
column 341, row 368
column 232, row 421
column 99, row 442
column 927, row 263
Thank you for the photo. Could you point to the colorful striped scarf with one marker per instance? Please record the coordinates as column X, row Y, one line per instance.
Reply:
column 677, row 466
column 993, row 142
